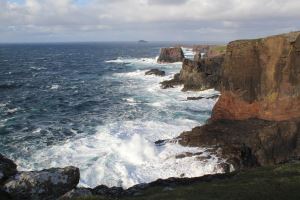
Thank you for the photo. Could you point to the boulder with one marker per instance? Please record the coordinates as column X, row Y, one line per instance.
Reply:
column 156, row 72
column 46, row 184
column 7, row 168
column 261, row 79
column 170, row 55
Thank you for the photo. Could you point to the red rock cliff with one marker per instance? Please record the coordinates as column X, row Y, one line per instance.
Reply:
column 261, row 79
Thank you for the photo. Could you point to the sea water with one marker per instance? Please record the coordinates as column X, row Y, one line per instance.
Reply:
column 90, row 105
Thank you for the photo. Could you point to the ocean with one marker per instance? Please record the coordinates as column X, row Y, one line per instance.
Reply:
column 91, row 106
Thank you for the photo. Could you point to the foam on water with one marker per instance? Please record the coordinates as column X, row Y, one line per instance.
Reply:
column 123, row 153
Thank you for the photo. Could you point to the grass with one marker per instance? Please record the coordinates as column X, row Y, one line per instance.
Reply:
column 267, row 183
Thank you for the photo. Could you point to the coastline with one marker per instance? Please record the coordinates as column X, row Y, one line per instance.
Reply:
column 245, row 142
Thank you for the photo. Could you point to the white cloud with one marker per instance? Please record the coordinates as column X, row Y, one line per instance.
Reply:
column 158, row 16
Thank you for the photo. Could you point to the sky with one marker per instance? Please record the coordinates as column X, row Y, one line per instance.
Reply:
column 152, row 20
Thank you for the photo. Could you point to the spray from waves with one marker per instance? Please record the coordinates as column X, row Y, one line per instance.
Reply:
column 123, row 154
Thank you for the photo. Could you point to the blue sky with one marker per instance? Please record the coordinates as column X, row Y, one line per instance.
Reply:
column 154, row 20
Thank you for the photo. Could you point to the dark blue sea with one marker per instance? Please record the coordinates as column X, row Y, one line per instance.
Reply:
column 90, row 105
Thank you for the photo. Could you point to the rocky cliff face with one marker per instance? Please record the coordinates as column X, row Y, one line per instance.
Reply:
column 256, row 121
column 198, row 75
column 170, row 55
column 261, row 79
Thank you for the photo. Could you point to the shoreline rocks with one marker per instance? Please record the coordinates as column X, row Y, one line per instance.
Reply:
column 170, row 55
column 155, row 72
column 197, row 76
column 46, row 184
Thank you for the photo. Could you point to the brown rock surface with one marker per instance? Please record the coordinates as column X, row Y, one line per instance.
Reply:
column 261, row 79
column 170, row 55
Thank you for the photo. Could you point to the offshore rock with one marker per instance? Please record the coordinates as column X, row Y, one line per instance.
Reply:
column 170, row 55
column 156, row 72
column 46, row 184
column 261, row 79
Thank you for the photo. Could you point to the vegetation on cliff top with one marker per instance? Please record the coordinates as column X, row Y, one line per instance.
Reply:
column 273, row 182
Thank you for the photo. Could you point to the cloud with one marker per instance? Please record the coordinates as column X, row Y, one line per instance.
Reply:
column 154, row 19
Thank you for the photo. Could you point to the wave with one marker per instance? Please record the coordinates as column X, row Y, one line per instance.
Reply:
column 125, row 60
column 124, row 154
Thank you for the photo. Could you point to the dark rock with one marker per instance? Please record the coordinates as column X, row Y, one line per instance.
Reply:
column 197, row 75
column 199, row 98
column 76, row 193
column 248, row 143
column 171, row 83
column 195, row 98
column 156, row 72
column 103, row 190
column 7, row 168
column 170, row 55
column 46, row 184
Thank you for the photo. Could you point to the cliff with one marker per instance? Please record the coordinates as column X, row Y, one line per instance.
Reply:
column 256, row 120
column 261, row 79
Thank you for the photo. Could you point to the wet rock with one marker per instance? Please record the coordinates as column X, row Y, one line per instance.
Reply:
column 156, row 72
column 76, row 193
column 7, row 168
column 171, row 83
column 199, row 98
column 46, row 184
column 170, row 55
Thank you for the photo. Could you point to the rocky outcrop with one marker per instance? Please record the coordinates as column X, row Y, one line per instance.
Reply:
column 155, row 72
column 256, row 120
column 171, row 83
column 170, row 55
column 248, row 143
column 46, row 184
column 198, row 76
column 261, row 79
column 7, row 168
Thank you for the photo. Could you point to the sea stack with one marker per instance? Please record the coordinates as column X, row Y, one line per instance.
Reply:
column 170, row 55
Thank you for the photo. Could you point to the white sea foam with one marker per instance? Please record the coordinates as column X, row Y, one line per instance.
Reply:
column 54, row 87
column 123, row 154
column 188, row 52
